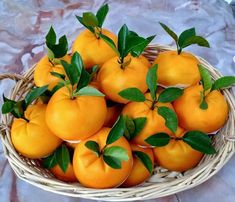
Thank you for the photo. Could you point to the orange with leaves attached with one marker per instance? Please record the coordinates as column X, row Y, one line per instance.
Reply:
column 192, row 117
column 155, row 123
column 177, row 155
column 77, row 118
column 51, row 62
column 177, row 68
column 113, row 78
column 33, row 138
column 92, row 171
column 93, row 50
column 89, row 43
column 128, row 69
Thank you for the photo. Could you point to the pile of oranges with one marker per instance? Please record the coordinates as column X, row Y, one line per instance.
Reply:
column 106, row 117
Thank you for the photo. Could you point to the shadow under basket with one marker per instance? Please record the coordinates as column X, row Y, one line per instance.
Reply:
column 162, row 182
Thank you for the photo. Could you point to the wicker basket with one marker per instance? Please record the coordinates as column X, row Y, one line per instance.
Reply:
column 162, row 183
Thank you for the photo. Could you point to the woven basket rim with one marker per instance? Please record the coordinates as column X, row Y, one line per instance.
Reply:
column 26, row 170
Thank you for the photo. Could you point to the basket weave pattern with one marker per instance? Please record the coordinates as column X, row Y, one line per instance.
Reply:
column 162, row 183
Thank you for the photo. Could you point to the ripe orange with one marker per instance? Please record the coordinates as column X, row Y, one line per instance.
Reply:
column 75, row 119
column 192, row 117
column 33, row 139
column 93, row 50
column 92, row 171
column 155, row 123
column 42, row 75
column 113, row 79
column 177, row 70
column 139, row 172
column 144, row 60
column 177, row 155
column 112, row 114
column 68, row 176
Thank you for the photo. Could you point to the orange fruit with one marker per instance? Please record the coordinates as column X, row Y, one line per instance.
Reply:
column 177, row 70
column 112, row 114
column 33, row 139
column 177, row 155
column 144, row 60
column 93, row 50
column 154, row 124
column 75, row 119
column 68, row 176
column 139, row 172
column 113, row 79
column 192, row 117
column 42, row 75
column 92, row 171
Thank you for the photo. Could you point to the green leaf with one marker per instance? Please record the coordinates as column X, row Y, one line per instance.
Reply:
column 170, row 94
column 122, row 40
column 203, row 105
column 19, row 109
column 51, row 36
column 134, row 44
column 101, row 14
column 89, row 19
column 151, row 81
column 71, row 71
column 89, row 91
column 90, row 28
column 58, row 75
column 224, row 82
column 200, row 41
column 93, row 146
column 140, row 123
column 84, row 79
column 185, row 35
column 8, row 105
column 34, row 94
column 110, row 42
column 117, row 130
column 50, row 54
column 77, row 62
column 113, row 156
column 145, row 159
column 63, row 157
column 205, row 77
column 199, row 141
column 58, row 50
column 170, row 117
column 158, row 140
column 170, row 32
column 130, row 127
column 49, row 162
column 139, row 48
column 132, row 94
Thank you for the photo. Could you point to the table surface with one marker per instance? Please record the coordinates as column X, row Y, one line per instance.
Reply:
column 23, row 25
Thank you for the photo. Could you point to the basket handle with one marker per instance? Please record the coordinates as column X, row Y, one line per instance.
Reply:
column 15, row 77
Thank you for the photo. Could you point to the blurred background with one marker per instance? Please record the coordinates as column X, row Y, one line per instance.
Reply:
column 24, row 24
